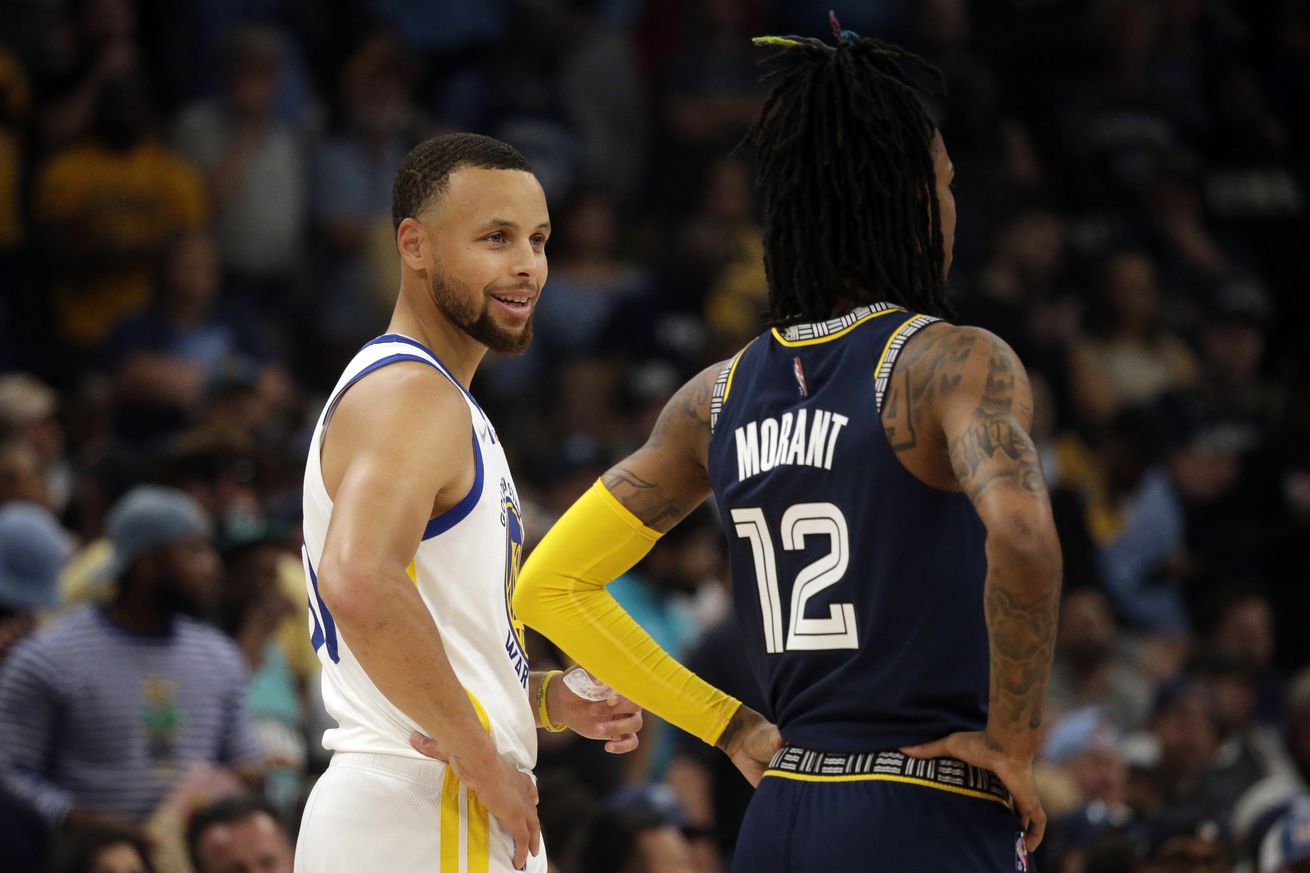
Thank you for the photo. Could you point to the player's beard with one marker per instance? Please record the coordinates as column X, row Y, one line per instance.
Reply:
column 455, row 304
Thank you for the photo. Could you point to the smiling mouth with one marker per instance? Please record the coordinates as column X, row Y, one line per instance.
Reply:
column 521, row 302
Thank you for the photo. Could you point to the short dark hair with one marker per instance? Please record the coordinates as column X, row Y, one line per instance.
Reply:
column 845, row 172
column 77, row 851
column 226, row 811
column 612, row 840
column 424, row 172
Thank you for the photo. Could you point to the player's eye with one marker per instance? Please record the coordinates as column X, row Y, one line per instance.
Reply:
column 539, row 240
column 498, row 237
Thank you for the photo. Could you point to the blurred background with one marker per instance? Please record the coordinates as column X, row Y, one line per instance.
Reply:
column 195, row 238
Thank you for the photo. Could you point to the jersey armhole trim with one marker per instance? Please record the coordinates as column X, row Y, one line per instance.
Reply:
column 723, row 385
column 441, row 365
column 453, row 516
column 890, row 351
column 457, row 513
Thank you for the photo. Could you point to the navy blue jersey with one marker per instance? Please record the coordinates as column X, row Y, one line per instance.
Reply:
column 859, row 589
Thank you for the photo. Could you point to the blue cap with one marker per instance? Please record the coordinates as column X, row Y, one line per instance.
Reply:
column 33, row 549
column 147, row 518
column 1077, row 732
column 1289, row 841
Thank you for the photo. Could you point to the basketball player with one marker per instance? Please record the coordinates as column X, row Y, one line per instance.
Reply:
column 895, row 565
column 413, row 534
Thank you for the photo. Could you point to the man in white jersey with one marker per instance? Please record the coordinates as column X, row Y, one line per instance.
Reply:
column 413, row 534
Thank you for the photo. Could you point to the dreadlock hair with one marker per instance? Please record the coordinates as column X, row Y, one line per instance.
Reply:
column 845, row 171
column 425, row 171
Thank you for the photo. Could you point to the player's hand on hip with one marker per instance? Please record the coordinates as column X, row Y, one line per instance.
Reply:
column 616, row 719
column 976, row 748
column 506, row 791
column 750, row 741
column 427, row 746
column 511, row 796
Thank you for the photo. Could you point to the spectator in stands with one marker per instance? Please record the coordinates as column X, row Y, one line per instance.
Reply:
column 33, row 549
column 29, row 412
column 351, row 198
column 254, row 166
column 1170, row 767
column 1136, row 517
column 591, row 286
column 1090, row 667
column 1248, row 751
column 105, row 209
column 238, row 835
column 1083, row 748
column 100, row 45
column 101, row 848
column 20, row 473
column 636, row 837
column 164, row 359
column 720, row 254
column 253, row 609
column 1234, row 432
column 1132, row 357
column 103, row 711
column 1185, row 841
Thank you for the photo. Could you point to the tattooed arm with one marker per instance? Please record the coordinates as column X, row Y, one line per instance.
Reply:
column 668, row 477
column 561, row 590
column 973, row 392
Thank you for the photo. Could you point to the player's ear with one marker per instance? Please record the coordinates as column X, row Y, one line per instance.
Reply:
column 409, row 241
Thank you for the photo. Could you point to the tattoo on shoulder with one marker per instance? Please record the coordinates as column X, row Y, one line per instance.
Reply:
column 994, row 450
column 931, row 365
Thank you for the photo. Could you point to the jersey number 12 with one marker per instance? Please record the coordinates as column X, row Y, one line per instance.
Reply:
column 838, row 630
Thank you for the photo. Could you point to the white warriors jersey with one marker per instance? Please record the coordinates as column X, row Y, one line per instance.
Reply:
column 465, row 570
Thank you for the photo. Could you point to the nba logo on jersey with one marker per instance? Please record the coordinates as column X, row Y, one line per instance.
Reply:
column 799, row 372
column 1020, row 855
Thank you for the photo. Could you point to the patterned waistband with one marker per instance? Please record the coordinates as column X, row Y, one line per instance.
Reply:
column 948, row 773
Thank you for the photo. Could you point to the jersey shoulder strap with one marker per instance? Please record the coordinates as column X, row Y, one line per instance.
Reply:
column 723, row 385
column 892, row 349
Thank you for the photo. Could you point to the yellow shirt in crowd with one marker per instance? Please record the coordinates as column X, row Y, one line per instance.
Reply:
column 105, row 201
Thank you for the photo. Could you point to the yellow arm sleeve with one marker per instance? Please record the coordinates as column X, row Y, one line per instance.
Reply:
column 561, row 592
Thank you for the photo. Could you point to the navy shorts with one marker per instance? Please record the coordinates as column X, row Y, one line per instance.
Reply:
column 815, row 824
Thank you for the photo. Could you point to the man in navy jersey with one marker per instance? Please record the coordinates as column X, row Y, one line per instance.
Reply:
column 895, row 565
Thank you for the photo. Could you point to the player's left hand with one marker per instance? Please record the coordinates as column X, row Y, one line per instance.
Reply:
column 751, row 741
column 616, row 719
column 976, row 748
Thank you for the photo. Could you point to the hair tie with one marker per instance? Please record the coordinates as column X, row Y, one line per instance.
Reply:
column 844, row 37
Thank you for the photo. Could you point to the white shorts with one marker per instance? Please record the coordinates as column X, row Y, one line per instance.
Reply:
column 386, row 812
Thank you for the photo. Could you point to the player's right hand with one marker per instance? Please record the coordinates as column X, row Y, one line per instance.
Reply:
column 511, row 796
column 976, row 748
column 506, row 791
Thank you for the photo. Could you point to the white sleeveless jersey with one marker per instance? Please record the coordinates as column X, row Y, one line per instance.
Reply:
column 465, row 571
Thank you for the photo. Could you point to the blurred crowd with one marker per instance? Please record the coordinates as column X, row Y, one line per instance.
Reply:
column 195, row 237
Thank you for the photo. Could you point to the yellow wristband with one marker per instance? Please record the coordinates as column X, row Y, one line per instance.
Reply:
column 542, row 712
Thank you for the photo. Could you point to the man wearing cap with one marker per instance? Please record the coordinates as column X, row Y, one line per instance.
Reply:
column 33, row 547
column 104, row 711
